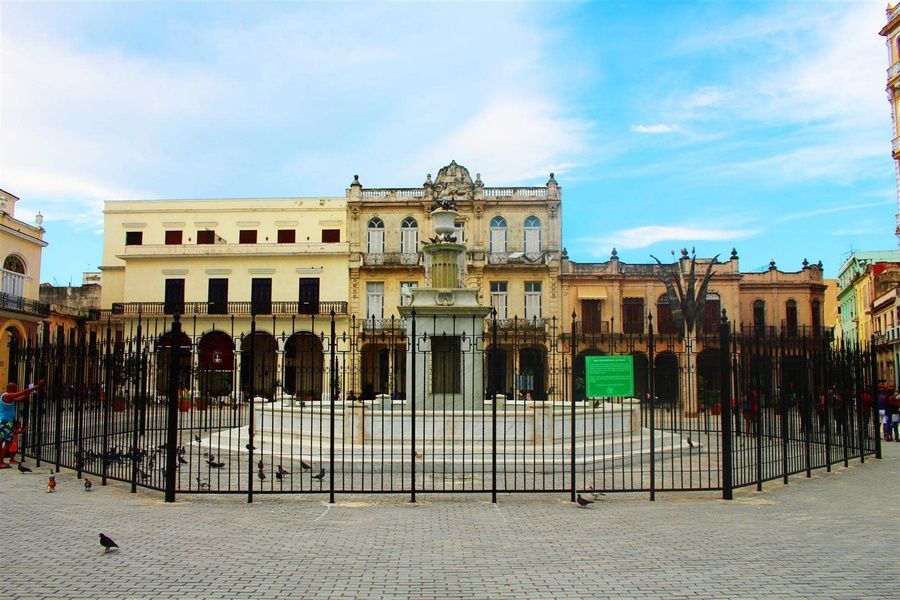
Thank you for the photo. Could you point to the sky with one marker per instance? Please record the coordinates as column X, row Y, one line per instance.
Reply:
column 760, row 126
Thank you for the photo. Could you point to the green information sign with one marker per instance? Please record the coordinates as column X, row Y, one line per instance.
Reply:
column 609, row 376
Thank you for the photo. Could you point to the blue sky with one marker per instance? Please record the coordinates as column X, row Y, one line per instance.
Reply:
column 758, row 125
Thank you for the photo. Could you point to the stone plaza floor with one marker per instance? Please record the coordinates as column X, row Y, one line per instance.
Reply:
column 836, row 535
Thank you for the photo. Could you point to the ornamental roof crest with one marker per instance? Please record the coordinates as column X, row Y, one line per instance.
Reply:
column 454, row 182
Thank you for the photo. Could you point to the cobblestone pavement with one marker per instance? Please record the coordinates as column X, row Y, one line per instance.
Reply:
column 833, row 536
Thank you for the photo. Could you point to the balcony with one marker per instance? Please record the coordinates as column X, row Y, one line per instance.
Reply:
column 392, row 325
column 24, row 305
column 517, row 324
column 392, row 259
column 519, row 258
column 895, row 146
column 893, row 71
column 238, row 309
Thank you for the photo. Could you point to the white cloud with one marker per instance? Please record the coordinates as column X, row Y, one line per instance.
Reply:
column 655, row 129
column 648, row 235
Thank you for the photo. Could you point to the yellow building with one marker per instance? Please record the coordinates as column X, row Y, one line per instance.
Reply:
column 219, row 264
column 614, row 303
column 891, row 31
column 20, row 310
column 513, row 238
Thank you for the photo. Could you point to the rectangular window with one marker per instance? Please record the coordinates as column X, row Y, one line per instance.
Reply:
column 790, row 317
column 217, row 297
column 134, row 238
column 375, row 300
column 331, row 236
column 712, row 314
column 173, row 238
column 409, row 240
column 247, row 236
column 287, row 236
column 206, row 236
column 446, row 359
column 591, row 323
column 633, row 315
column 532, row 300
column 375, row 241
column 309, row 296
column 665, row 321
column 532, row 240
column 498, row 299
column 405, row 291
column 174, row 300
column 261, row 295
column 759, row 317
column 460, row 232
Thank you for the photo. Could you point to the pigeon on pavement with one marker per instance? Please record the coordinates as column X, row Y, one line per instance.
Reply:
column 107, row 543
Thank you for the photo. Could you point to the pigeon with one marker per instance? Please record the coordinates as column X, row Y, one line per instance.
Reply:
column 278, row 476
column 197, row 439
column 281, row 471
column 690, row 442
column 305, row 465
column 51, row 483
column 201, row 484
column 107, row 543
column 250, row 447
column 22, row 468
column 88, row 484
column 321, row 474
column 583, row 502
column 181, row 460
column 215, row 465
column 261, row 475
column 595, row 493
column 260, row 465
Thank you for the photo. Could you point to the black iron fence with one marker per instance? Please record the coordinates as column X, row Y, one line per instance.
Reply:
column 428, row 405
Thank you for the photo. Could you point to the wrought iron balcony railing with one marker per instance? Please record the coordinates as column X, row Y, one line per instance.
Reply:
column 24, row 305
column 229, row 308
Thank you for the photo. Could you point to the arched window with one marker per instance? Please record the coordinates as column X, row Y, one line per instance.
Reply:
column 14, row 276
column 790, row 317
column 532, row 235
column 409, row 236
column 498, row 236
column 375, row 238
column 14, row 263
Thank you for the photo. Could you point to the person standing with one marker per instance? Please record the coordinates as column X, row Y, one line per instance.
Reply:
column 8, row 401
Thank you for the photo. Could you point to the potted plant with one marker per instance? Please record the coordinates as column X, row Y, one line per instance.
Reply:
column 184, row 401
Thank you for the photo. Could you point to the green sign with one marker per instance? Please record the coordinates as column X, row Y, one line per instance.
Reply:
column 609, row 376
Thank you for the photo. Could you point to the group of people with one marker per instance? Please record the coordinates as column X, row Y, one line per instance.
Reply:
column 889, row 411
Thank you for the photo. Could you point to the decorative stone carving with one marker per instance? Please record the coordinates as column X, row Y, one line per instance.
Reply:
column 454, row 182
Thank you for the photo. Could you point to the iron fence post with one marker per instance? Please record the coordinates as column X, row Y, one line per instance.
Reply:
column 784, row 416
column 725, row 400
column 135, row 415
column 859, row 390
column 78, row 400
column 172, row 408
column 333, row 393
column 807, row 408
column 412, row 405
column 493, row 393
column 651, row 385
column 573, row 491
column 252, row 417
column 57, row 388
column 106, row 400
column 873, row 366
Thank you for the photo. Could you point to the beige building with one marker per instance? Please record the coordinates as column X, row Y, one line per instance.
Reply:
column 512, row 235
column 614, row 303
column 219, row 263
column 20, row 310
column 891, row 31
